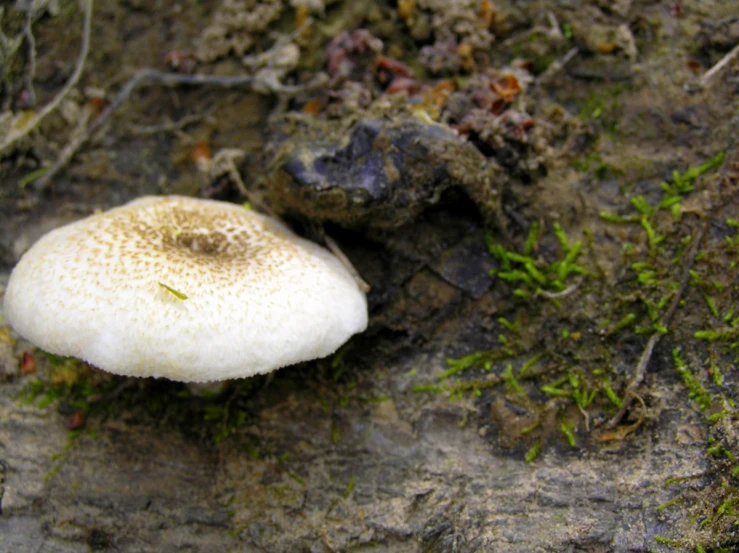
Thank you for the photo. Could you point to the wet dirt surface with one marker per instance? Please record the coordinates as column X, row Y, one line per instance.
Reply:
column 473, row 415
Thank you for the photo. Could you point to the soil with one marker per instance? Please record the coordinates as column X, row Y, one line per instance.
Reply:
column 482, row 409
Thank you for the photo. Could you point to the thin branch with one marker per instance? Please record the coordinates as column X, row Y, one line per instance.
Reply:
column 77, row 138
column 553, row 32
column 708, row 76
column 15, row 135
column 621, row 432
column 641, row 367
column 31, row 70
column 556, row 66
column 170, row 126
column 151, row 76
column 558, row 295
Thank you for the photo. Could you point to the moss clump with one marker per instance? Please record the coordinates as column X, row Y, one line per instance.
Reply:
column 567, row 327
column 78, row 390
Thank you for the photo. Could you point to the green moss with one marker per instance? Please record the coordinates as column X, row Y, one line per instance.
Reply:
column 671, row 503
column 60, row 458
column 697, row 392
column 431, row 388
column 626, row 321
column 532, row 453
column 100, row 396
column 593, row 163
column 610, row 393
column 474, row 360
column 553, row 388
column 580, row 393
column 531, row 238
column 614, row 218
column 717, row 335
column 349, row 487
column 603, row 105
column 511, row 381
column 567, row 431
column 534, row 274
column 667, row 541
column 673, row 193
column 530, row 364
column 564, row 363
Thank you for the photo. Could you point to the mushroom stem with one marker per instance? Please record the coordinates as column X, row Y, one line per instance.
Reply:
column 341, row 256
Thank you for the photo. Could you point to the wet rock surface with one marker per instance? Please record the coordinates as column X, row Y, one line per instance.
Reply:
column 421, row 482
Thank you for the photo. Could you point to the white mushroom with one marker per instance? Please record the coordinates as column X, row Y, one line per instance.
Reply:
column 186, row 289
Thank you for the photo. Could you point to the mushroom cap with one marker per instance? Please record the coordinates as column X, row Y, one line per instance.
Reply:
column 182, row 288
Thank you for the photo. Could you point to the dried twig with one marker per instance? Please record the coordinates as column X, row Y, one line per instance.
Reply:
column 641, row 367
column 78, row 137
column 556, row 66
column 559, row 295
column 170, row 126
column 553, row 32
column 708, row 76
column 621, row 432
column 31, row 69
column 16, row 134
column 224, row 163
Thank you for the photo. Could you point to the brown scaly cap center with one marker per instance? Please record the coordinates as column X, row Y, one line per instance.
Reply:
column 200, row 233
